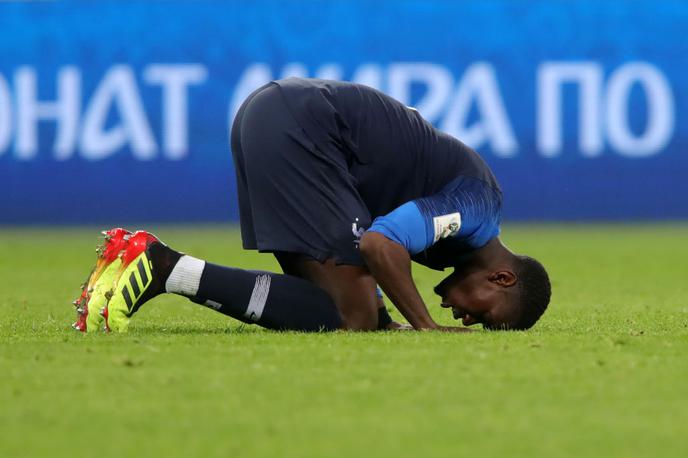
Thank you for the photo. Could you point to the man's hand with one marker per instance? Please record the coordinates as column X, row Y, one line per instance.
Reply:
column 394, row 326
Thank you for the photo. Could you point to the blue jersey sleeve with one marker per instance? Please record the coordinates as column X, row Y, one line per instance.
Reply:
column 405, row 225
column 467, row 209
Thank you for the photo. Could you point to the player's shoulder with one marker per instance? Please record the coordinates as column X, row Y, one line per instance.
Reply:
column 469, row 193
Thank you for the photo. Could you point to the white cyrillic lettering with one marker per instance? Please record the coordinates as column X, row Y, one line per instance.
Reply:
column 295, row 69
column 660, row 116
column 551, row 76
column 5, row 115
column 251, row 79
column 258, row 74
column 480, row 83
column 368, row 74
column 64, row 111
column 435, row 78
column 117, row 88
column 174, row 80
column 329, row 72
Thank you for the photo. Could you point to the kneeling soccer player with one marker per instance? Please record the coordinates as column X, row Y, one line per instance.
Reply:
column 346, row 186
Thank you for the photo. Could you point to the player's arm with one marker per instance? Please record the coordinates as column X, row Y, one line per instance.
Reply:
column 390, row 264
column 387, row 247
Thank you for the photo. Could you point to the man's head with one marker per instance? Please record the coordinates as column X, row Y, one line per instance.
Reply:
column 512, row 294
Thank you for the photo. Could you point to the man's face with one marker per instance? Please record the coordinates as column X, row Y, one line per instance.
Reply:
column 480, row 297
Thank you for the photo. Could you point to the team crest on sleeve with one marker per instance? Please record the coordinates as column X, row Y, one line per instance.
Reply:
column 446, row 225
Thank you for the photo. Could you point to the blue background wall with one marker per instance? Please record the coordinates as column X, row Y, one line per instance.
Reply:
column 95, row 99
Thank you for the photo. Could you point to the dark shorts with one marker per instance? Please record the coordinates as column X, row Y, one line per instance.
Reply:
column 293, row 196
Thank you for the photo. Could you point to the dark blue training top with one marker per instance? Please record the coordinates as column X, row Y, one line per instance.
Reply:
column 425, row 189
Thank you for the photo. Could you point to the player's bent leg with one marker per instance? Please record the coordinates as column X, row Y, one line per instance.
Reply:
column 273, row 301
column 142, row 267
column 351, row 287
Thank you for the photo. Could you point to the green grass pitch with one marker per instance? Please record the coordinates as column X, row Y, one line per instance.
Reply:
column 605, row 373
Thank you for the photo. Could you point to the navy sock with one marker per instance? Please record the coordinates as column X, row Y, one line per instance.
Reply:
column 274, row 301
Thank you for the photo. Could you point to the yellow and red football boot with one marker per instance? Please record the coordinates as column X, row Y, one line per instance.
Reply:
column 99, row 281
column 137, row 281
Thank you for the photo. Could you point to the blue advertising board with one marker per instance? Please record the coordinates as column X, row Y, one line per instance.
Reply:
column 120, row 111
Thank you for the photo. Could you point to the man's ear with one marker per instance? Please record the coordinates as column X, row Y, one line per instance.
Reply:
column 505, row 278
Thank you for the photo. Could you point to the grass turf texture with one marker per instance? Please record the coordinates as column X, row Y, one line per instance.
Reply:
column 605, row 373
